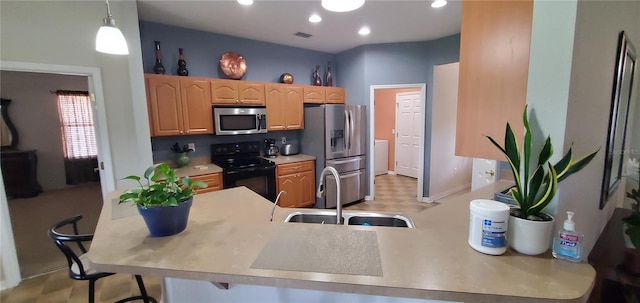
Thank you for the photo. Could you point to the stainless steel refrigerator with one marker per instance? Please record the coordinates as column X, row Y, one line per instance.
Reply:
column 336, row 135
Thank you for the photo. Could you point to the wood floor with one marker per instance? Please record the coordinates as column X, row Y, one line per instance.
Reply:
column 393, row 194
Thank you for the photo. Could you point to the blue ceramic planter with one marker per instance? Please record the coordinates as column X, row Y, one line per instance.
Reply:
column 166, row 221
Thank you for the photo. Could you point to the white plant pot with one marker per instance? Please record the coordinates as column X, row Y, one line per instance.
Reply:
column 529, row 237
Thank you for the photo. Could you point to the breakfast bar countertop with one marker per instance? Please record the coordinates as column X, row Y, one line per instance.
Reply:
column 228, row 230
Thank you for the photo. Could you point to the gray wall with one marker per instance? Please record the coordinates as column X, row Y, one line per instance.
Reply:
column 63, row 33
column 34, row 112
column 397, row 63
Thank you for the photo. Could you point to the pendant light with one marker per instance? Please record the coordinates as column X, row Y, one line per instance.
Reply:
column 341, row 6
column 110, row 39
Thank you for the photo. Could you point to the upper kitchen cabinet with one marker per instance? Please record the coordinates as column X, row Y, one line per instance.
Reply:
column 494, row 63
column 179, row 105
column 285, row 108
column 243, row 93
column 314, row 94
column 335, row 95
column 323, row 94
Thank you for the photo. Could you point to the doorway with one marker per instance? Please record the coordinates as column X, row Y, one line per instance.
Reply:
column 383, row 119
column 92, row 78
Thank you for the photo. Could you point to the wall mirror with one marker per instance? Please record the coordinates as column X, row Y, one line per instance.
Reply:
column 8, row 132
column 620, row 100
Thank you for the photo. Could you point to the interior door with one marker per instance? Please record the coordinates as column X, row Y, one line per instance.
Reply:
column 408, row 139
column 484, row 172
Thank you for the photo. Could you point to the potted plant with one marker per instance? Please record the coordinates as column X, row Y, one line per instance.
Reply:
column 536, row 181
column 164, row 201
column 183, row 154
column 631, row 260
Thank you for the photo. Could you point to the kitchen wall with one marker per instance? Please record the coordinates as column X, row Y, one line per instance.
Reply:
column 397, row 63
column 161, row 145
column 570, row 84
column 63, row 33
column 202, row 50
column 450, row 173
column 34, row 112
column 385, row 112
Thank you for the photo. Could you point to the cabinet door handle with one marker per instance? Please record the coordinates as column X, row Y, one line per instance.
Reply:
column 187, row 132
column 181, row 132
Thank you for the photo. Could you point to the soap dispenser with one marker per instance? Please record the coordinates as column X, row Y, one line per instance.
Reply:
column 567, row 244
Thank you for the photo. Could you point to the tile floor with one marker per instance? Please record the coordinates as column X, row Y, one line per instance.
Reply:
column 393, row 194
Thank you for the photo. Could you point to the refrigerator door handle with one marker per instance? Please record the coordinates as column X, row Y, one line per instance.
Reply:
column 351, row 128
column 347, row 131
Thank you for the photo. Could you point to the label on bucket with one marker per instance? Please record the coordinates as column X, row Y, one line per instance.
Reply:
column 494, row 233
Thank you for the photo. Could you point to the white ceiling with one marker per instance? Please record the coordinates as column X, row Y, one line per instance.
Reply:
column 277, row 21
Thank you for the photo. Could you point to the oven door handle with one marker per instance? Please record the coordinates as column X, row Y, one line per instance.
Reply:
column 249, row 170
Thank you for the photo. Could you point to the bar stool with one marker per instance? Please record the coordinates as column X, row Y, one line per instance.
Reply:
column 79, row 268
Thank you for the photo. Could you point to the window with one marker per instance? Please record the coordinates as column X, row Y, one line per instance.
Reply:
column 76, row 123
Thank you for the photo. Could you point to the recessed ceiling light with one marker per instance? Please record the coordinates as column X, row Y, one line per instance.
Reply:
column 245, row 2
column 315, row 18
column 340, row 6
column 438, row 3
column 364, row 31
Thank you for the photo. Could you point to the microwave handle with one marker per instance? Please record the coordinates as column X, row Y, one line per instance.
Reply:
column 262, row 121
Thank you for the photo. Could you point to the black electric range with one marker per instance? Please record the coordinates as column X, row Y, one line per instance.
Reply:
column 242, row 166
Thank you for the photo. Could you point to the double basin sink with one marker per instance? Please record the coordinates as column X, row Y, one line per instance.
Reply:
column 350, row 218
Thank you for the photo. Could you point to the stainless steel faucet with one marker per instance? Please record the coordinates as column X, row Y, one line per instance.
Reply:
column 321, row 191
column 282, row 192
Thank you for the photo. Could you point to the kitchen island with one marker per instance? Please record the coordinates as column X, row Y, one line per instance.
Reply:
column 229, row 229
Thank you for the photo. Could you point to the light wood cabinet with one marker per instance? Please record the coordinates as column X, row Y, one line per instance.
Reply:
column 285, row 108
column 314, row 94
column 213, row 181
column 237, row 92
column 335, row 95
column 298, row 180
column 494, row 65
column 323, row 95
column 178, row 105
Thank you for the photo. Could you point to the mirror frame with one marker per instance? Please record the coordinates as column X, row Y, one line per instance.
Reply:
column 4, row 110
column 625, row 61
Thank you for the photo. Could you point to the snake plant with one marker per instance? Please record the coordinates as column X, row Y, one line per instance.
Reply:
column 536, row 180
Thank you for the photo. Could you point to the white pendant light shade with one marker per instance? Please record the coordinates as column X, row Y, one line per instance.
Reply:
column 341, row 6
column 110, row 39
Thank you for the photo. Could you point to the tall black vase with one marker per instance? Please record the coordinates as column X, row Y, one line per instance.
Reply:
column 158, row 68
column 182, row 65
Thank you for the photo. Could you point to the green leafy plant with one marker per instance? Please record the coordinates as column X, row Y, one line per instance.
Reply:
column 536, row 180
column 633, row 222
column 176, row 148
column 162, row 188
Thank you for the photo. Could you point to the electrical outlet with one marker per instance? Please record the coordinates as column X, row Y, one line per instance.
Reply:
column 284, row 140
column 192, row 146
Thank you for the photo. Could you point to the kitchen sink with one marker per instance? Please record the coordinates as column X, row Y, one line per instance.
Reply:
column 380, row 220
column 350, row 218
column 319, row 218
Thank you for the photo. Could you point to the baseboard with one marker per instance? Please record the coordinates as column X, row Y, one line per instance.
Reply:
column 368, row 198
column 392, row 172
column 446, row 193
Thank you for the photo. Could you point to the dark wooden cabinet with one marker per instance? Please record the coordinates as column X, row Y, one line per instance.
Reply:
column 613, row 283
column 19, row 171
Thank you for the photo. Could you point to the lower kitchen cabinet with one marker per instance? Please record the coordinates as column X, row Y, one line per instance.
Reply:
column 298, row 180
column 213, row 181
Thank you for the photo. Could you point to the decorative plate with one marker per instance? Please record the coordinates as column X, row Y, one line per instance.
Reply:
column 233, row 65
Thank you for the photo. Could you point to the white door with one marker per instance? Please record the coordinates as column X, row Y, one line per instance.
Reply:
column 484, row 172
column 408, row 139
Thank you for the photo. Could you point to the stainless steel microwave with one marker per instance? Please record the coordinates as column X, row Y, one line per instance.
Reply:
column 240, row 120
